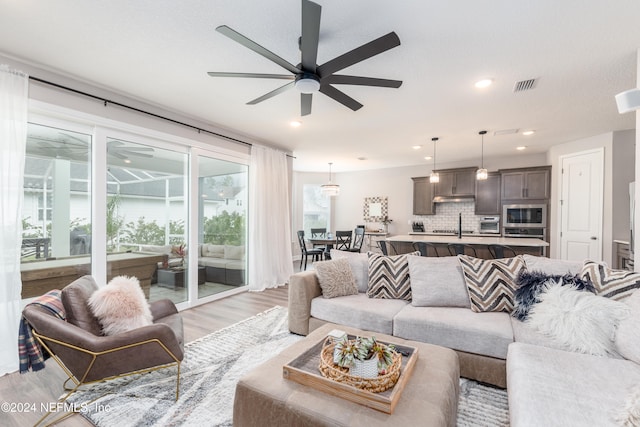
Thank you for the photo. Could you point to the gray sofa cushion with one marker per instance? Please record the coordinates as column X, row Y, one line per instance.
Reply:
column 552, row 266
column 458, row 328
column 549, row 387
column 437, row 282
column 359, row 311
column 526, row 334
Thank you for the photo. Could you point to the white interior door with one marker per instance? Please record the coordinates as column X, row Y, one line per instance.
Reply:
column 582, row 205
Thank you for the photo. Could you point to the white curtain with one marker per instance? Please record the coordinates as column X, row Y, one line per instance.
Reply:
column 13, row 139
column 270, row 258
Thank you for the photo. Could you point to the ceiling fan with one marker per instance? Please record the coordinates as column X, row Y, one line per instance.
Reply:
column 309, row 77
column 72, row 147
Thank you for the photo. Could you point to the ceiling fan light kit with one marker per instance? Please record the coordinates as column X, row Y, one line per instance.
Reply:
column 308, row 76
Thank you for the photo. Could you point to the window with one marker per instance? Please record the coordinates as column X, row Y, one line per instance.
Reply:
column 316, row 209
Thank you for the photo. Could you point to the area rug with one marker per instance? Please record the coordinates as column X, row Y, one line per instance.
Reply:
column 211, row 368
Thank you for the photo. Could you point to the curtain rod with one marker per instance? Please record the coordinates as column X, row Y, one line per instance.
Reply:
column 108, row 101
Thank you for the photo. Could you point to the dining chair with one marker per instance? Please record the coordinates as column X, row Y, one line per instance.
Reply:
column 305, row 253
column 319, row 233
column 424, row 247
column 358, row 240
column 343, row 240
column 461, row 249
column 501, row 251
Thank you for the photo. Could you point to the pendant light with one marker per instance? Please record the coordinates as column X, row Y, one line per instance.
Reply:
column 482, row 174
column 434, row 177
column 330, row 189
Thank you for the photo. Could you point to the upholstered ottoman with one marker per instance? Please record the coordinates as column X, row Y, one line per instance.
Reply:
column 264, row 398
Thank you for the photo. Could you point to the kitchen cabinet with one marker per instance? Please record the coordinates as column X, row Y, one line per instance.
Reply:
column 456, row 182
column 623, row 256
column 526, row 184
column 422, row 196
column 488, row 195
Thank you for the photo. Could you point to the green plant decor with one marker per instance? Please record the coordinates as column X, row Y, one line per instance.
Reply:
column 363, row 348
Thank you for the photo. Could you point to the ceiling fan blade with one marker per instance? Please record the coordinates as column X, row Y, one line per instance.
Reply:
column 80, row 140
column 363, row 81
column 305, row 104
column 341, row 97
column 310, row 35
column 250, row 44
column 136, row 154
column 252, row 75
column 137, row 149
column 117, row 155
column 271, row 94
column 373, row 48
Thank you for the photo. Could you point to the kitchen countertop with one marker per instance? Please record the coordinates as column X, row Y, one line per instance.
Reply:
column 470, row 240
column 431, row 233
column 622, row 242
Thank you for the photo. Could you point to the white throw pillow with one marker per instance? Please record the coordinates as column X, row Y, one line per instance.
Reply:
column 581, row 321
column 629, row 415
column 628, row 333
column 121, row 306
column 359, row 263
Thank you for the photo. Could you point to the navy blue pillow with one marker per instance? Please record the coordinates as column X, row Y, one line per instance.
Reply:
column 530, row 284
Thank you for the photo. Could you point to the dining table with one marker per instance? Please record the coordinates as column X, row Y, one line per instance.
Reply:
column 327, row 242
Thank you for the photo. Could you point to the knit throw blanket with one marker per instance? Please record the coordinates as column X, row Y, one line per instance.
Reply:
column 31, row 355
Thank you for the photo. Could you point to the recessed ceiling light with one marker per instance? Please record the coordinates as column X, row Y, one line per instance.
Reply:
column 522, row 147
column 416, row 147
column 528, row 132
column 362, row 158
column 484, row 83
column 428, row 158
column 295, row 123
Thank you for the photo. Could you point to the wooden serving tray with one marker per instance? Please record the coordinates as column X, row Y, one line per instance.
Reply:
column 304, row 369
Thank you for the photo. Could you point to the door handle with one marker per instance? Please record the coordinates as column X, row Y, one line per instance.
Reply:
column 594, row 238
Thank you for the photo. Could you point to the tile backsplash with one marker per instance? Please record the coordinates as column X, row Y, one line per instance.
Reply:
column 446, row 217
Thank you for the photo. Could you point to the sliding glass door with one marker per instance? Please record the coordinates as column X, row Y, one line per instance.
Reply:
column 222, row 219
column 146, row 217
column 56, row 214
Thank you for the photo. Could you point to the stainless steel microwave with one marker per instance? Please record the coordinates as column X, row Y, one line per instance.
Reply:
column 523, row 216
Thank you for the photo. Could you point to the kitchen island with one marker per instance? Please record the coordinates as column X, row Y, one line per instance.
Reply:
column 403, row 243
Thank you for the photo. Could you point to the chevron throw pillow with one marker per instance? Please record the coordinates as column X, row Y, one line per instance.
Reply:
column 614, row 284
column 389, row 276
column 491, row 283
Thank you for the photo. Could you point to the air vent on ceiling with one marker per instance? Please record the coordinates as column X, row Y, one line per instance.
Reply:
column 523, row 85
column 505, row 132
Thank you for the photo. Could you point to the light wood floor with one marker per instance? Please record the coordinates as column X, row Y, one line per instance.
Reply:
column 45, row 386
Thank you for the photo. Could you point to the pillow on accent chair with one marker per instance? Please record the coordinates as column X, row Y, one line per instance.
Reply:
column 389, row 276
column 614, row 284
column 628, row 333
column 491, row 283
column 335, row 278
column 581, row 321
column 530, row 284
column 120, row 306
column 359, row 263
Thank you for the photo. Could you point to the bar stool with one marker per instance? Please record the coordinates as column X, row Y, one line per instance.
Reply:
column 424, row 247
column 501, row 251
column 383, row 247
column 461, row 249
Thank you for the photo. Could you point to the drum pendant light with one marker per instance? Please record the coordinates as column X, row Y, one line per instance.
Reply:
column 330, row 189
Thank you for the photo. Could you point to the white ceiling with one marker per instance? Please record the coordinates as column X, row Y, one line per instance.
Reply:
column 582, row 52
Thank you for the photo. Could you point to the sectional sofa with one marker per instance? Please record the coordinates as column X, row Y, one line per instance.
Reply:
column 223, row 263
column 547, row 384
